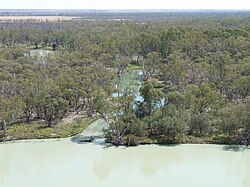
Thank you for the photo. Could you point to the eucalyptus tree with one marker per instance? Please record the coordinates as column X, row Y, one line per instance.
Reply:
column 114, row 112
column 199, row 123
column 235, row 121
column 151, row 64
column 151, row 95
column 169, row 122
column 10, row 111
column 55, row 106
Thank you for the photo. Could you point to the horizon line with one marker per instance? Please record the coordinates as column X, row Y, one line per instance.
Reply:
column 119, row 9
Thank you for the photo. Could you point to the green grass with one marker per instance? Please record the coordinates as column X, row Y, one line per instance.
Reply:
column 134, row 67
column 39, row 130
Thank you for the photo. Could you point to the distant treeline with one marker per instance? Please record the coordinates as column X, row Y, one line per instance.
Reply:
column 136, row 15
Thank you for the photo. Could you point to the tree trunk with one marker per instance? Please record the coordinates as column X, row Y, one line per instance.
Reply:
column 90, row 113
column 50, row 122
column 76, row 106
column 173, row 137
column 4, row 127
column 27, row 115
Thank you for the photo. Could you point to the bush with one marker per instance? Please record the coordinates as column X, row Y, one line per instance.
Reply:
column 132, row 140
column 223, row 139
column 138, row 128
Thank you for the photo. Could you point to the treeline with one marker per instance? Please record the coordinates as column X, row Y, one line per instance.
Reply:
column 196, row 76
column 196, row 89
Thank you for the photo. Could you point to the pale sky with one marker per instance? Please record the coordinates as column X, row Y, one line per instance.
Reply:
column 125, row 4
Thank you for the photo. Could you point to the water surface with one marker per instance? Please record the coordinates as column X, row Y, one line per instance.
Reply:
column 64, row 163
column 131, row 83
column 41, row 53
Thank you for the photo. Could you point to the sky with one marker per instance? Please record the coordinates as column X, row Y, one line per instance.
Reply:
column 125, row 4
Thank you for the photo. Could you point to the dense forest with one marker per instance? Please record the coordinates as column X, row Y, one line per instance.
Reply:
column 196, row 77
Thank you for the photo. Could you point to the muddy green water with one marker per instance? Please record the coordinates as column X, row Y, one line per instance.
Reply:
column 41, row 53
column 64, row 164
column 130, row 82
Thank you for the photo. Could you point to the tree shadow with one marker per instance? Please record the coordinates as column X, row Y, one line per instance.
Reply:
column 96, row 140
column 101, row 141
column 80, row 139
column 168, row 145
column 235, row 148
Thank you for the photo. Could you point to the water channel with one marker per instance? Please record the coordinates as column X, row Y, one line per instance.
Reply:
column 41, row 53
column 72, row 162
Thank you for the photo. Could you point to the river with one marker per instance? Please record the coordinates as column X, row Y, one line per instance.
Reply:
column 73, row 162
column 66, row 163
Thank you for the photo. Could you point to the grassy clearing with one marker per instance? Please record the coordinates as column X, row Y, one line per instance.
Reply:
column 39, row 130
column 134, row 67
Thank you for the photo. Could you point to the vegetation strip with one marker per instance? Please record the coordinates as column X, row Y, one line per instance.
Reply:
column 195, row 75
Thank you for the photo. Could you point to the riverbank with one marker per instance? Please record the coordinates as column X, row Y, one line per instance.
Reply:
column 75, row 124
column 70, row 128
column 39, row 130
column 132, row 140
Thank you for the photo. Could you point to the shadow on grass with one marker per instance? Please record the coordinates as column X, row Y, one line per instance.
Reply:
column 235, row 148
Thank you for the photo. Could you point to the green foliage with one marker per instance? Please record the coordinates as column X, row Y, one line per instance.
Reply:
column 151, row 95
column 169, row 122
column 235, row 119
column 132, row 140
column 138, row 128
column 196, row 76
column 199, row 123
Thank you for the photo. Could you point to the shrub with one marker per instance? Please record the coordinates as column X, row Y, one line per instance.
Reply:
column 132, row 140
